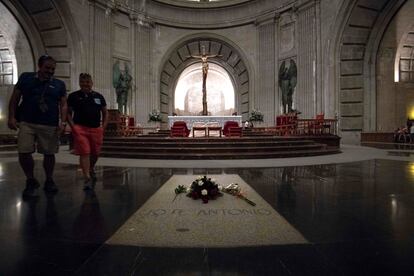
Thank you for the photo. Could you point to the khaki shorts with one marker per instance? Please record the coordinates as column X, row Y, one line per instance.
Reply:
column 44, row 138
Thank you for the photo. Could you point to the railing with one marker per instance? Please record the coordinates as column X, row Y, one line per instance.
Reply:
column 301, row 127
column 317, row 126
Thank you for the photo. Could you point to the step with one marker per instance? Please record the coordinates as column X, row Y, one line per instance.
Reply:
column 229, row 155
column 219, row 148
column 9, row 147
column 211, row 150
column 207, row 144
column 203, row 139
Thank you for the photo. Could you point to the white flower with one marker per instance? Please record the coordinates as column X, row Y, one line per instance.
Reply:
column 213, row 180
column 200, row 177
column 200, row 182
column 220, row 187
column 204, row 192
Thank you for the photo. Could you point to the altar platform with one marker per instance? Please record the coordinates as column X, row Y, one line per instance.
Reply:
column 253, row 147
column 190, row 120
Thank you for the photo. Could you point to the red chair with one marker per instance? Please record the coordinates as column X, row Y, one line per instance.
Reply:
column 131, row 122
column 316, row 126
column 232, row 128
column 179, row 129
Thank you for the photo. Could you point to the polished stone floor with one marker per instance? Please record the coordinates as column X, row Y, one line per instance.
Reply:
column 358, row 218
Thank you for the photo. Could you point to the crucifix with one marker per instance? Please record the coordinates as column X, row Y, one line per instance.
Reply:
column 204, row 67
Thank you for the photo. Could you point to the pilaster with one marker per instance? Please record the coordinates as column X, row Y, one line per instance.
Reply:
column 265, row 93
column 307, row 94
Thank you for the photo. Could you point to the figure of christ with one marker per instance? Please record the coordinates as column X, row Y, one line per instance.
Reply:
column 204, row 68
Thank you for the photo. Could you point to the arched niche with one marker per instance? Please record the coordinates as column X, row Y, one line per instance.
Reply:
column 226, row 55
column 33, row 28
column 360, row 27
column 188, row 92
column 49, row 28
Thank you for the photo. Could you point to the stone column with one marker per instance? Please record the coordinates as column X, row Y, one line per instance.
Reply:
column 145, row 99
column 100, row 51
column 320, row 99
column 307, row 95
column 134, row 89
column 265, row 93
column 277, row 96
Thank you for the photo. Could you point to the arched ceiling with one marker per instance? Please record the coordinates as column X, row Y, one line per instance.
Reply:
column 46, row 26
column 231, row 13
column 15, row 53
column 361, row 35
column 202, row 3
column 404, row 61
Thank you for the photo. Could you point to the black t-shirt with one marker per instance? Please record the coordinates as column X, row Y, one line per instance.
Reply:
column 86, row 108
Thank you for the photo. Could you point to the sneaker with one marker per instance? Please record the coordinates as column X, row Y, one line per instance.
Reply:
column 93, row 176
column 50, row 187
column 88, row 185
column 31, row 188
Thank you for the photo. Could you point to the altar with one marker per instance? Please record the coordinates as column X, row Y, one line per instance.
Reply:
column 190, row 120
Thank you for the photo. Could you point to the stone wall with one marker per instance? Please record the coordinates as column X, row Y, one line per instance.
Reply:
column 395, row 100
column 264, row 33
column 334, row 44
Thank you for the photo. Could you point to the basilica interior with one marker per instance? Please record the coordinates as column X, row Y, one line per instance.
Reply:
column 343, row 208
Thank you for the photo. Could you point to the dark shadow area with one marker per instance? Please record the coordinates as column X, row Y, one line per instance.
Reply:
column 358, row 218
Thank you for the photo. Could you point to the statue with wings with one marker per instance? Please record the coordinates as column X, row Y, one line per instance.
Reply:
column 287, row 84
column 122, row 83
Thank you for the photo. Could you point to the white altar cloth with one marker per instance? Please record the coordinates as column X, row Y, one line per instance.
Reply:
column 205, row 119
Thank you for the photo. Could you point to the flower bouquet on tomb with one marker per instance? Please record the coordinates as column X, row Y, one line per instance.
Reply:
column 205, row 188
column 235, row 190
column 202, row 187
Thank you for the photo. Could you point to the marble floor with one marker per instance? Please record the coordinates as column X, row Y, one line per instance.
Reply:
column 355, row 210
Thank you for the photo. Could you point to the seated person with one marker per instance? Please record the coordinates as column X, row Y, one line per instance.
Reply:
column 397, row 135
column 412, row 133
column 401, row 134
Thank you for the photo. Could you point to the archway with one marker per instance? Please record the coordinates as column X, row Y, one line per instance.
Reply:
column 15, row 57
column 360, row 28
column 394, row 71
column 227, row 56
column 188, row 91
column 58, row 37
column 26, row 32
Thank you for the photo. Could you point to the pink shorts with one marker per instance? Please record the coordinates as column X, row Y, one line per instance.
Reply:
column 87, row 140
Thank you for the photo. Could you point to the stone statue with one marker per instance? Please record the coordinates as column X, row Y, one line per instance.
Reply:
column 287, row 84
column 204, row 67
column 122, row 84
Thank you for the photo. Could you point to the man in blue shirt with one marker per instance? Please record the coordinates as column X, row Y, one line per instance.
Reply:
column 38, row 109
